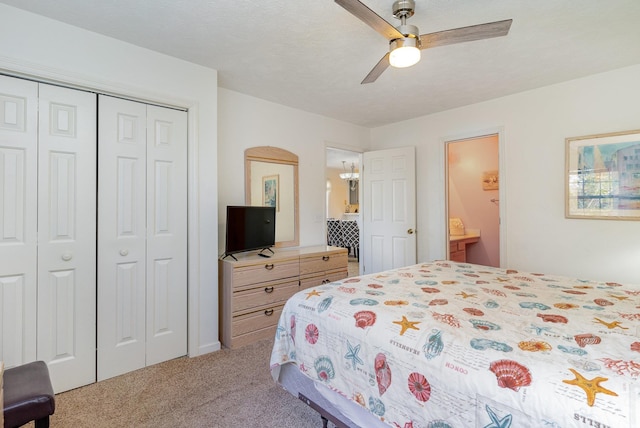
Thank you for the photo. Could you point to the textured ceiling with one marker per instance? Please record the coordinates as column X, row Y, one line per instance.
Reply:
column 336, row 157
column 313, row 54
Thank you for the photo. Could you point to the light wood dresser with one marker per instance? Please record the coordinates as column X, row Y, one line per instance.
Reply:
column 253, row 289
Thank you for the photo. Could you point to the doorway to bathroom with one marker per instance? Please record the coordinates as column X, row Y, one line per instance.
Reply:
column 473, row 203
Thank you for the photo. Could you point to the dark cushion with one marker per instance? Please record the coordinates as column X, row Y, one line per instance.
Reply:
column 28, row 394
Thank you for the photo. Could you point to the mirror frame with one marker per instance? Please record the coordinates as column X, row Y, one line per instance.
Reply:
column 270, row 154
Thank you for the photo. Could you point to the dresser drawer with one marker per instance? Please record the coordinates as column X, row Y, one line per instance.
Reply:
column 257, row 320
column 323, row 262
column 249, row 276
column 457, row 246
column 265, row 295
column 254, row 336
column 458, row 256
column 254, row 326
column 338, row 274
column 315, row 279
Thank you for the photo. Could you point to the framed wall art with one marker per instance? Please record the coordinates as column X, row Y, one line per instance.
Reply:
column 271, row 191
column 603, row 176
column 490, row 180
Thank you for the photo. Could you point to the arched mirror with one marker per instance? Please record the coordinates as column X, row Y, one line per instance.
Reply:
column 271, row 179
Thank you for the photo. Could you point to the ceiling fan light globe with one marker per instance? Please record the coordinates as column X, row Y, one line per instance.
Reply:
column 404, row 56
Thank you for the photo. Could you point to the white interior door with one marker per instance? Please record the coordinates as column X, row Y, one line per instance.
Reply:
column 67, row 235
column 18, row 219
column 121, row 236
column 389, row 212
column 166, row 234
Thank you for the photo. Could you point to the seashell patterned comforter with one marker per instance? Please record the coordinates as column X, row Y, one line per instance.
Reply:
column 448, row 344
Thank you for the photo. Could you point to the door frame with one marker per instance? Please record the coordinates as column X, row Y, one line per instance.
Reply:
column 359, row 152
column 502, row 190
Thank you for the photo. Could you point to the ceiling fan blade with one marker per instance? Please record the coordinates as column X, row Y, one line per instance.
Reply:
column 369, row 17
column 465, row 34
column 377, row 70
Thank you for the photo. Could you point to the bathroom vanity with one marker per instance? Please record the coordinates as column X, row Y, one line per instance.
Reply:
column 458, row 245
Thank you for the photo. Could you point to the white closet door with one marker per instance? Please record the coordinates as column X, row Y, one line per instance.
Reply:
column 142, row 232
column 18, row 219
column 67, row 235
column 166, row 234
column 121, row 236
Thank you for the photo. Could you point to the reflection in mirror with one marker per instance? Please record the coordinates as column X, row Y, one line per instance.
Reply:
column 271, row 179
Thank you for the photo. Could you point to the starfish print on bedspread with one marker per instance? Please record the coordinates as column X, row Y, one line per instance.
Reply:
column 313, row 293
column 465, row 295
column 610, row 325
column 540, row 330
column 352, row 355
column 591, row 386
column 406, row 324
column 498, row 423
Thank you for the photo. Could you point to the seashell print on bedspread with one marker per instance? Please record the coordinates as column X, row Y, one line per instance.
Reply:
column 448, row 344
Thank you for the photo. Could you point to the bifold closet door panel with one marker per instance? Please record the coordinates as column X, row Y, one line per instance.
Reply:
column 18, row 219
column 121, row 236
column 142, row 233
column 67, row 175
column 166, row 234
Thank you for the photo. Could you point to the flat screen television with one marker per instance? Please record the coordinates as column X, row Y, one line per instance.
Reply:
column 250, row 228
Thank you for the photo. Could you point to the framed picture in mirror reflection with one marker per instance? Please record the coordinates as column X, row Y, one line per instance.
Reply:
column 271, row 191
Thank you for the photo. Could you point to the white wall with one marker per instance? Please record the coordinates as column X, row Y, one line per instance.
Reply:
column 52, row 51
column 246, row 121
column 535, row 124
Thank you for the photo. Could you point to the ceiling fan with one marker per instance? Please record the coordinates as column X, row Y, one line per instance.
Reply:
column 405, row 41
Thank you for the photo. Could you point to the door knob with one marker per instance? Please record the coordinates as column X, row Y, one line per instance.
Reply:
column 124, row 252
column 410, row 231
column 67, row 256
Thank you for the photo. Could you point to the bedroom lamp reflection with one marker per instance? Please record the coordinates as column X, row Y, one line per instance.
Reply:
column 271, row 179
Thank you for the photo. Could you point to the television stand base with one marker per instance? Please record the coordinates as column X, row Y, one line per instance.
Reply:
column 265, row 255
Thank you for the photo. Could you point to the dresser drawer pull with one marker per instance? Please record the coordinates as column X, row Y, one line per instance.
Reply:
column 325, row 258
column 269, row 266
column 268, row 312
column 326, row 281
column 268, row 289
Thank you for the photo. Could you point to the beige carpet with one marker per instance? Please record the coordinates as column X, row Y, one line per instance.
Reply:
column 224, row 389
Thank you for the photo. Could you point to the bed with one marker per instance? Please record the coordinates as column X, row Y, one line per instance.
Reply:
column 446, row 345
